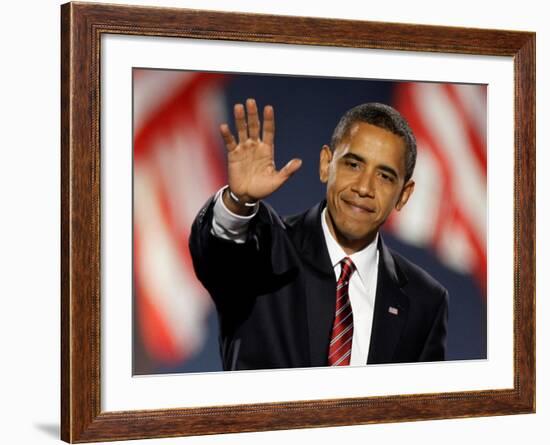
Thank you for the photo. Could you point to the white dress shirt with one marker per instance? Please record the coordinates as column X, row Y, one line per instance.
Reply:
column 228, row 225
column 361, row 290
column 362, row 285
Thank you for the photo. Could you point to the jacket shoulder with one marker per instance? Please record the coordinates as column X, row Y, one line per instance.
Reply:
column 416, row 277
column 295, row 221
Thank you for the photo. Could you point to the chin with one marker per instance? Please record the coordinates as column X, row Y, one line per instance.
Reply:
column 354, row 235
column 359, row 232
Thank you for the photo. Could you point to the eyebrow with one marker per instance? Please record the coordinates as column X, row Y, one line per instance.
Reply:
column 385, row 168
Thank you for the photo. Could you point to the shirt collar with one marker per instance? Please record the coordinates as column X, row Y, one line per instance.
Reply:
column 364, row 259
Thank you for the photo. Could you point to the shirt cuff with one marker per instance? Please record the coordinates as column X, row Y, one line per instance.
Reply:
column 228, row 225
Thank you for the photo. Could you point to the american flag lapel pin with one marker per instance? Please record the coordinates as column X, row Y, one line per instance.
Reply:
column 393, row 310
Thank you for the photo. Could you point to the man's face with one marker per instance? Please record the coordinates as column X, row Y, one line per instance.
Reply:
column 365, row 178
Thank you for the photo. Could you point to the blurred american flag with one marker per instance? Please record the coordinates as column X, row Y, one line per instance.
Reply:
column 179, row 163
column 449, row 122
column 177, row 166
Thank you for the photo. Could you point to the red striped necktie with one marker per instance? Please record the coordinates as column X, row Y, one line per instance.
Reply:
column 339, row 352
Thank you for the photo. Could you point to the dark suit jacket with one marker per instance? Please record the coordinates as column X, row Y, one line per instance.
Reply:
column 275, row 296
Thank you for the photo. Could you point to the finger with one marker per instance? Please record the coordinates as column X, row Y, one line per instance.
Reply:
column 253, row 119
column 268, row 133
column 228, row 137
column 288, row 170
column 240, row 122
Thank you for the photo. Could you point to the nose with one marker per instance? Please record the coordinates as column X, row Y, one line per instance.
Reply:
column 365, row 185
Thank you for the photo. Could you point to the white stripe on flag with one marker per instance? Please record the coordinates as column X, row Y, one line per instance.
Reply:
column 468, row 178
column 176, row 295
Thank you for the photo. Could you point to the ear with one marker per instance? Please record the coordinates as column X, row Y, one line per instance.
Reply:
column 324, row 163
column 406, row 193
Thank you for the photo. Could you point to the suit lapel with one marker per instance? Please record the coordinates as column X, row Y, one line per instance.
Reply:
column 391, row 309
column 320, row 285
column 321, row 301
column 391, row 303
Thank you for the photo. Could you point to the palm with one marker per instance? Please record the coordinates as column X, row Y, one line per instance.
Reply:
column 251, row 169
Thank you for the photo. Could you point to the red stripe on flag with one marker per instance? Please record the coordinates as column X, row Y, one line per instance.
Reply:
column 450, row 208
column 156, row 336
column 476, row 144
column 168, row 116
column 405, row 104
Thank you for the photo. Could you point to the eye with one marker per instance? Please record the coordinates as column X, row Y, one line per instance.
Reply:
column 387, row 177
column 352, row 164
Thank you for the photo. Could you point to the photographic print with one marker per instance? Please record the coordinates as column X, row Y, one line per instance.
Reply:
column 180, row 161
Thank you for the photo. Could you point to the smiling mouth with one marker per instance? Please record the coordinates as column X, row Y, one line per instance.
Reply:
column 359, row 208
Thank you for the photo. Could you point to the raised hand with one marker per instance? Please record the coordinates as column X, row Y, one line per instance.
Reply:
column 251, row 170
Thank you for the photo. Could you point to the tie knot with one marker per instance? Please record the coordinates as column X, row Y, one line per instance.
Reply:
column 347, row 269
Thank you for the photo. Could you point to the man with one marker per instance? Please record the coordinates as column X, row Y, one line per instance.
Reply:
column 320, row 288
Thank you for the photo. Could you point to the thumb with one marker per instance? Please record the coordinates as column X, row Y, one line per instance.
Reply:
column 290, row 168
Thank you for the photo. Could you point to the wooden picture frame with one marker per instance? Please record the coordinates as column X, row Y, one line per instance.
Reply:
column 82, row 25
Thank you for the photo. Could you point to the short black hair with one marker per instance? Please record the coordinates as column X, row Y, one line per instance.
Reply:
column 382, row 116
